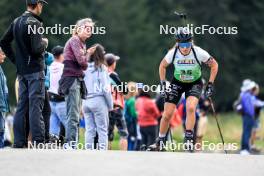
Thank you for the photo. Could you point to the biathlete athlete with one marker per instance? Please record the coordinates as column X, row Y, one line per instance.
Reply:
column 187, row 59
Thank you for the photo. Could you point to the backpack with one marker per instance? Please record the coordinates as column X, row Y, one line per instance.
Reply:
column 237, row 106
column 118, row 97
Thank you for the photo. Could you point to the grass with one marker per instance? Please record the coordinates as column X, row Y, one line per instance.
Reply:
column 231, row 126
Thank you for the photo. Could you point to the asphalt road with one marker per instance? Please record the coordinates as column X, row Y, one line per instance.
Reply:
column 117, row 163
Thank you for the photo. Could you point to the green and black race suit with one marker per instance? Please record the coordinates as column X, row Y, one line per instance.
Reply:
column 187, row 73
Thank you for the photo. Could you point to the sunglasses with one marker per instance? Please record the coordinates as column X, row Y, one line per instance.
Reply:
column 185, row 45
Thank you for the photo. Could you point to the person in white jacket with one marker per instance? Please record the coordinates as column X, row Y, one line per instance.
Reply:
column 57, row 103
column 99, row 101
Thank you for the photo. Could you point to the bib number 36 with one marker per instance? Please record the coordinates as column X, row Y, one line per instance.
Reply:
column 186, row 75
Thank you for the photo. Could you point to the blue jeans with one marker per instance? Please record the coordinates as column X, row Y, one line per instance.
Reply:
column 58, row 115
column 31, row 100
column 2, row 130
column 73, row 104
column 248, row 124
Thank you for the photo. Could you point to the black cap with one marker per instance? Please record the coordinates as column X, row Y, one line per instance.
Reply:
column 33, row 2
column 57, row 51
column 111, row 58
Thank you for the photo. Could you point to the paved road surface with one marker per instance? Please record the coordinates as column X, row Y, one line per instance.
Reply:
column 118, row 163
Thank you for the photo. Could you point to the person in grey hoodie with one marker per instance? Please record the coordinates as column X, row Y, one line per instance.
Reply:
column 99, row 101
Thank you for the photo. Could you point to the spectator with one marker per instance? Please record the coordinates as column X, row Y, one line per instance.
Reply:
column 46, row 108
column 256, row 127
column 49, row 58
column 249, row 103
column 116, row 117
column 4, row 106
column 57, row 102
column 99, row 100
column 131, row 115
column 148, row 114
column 29, row 61
column 72, row 85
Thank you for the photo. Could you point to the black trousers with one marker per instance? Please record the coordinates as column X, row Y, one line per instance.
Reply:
column 46, row 118
column 149, row 135
column 31, row 101
column 46, row 115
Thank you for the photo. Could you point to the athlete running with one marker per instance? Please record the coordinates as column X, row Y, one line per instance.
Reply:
column 187, row 59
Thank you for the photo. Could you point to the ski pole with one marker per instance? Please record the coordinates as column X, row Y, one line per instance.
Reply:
column 170, row 135
column 218, row 126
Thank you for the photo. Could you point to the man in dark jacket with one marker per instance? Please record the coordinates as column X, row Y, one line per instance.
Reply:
column 29, row 61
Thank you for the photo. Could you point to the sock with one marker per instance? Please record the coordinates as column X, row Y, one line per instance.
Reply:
column 162, row 135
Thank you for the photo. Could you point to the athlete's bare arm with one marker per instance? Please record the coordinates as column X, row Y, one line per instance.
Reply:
column 162, row 69
column 212, row 63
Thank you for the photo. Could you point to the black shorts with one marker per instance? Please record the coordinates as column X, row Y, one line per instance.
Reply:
column 117, row 119
column 177, row 88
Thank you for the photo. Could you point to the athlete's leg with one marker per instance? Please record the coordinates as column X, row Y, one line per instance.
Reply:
column 191, row 104
column 169, row 109
column 171, row 100
column 192, row 99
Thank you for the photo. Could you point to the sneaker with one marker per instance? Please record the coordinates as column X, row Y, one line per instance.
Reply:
column 158, row 146
column 54, row 138
column 244, row 152
column 19, row 145
column 7, row 143
column 143, row 147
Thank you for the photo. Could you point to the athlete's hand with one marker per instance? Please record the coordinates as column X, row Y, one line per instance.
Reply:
column 209, row 90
